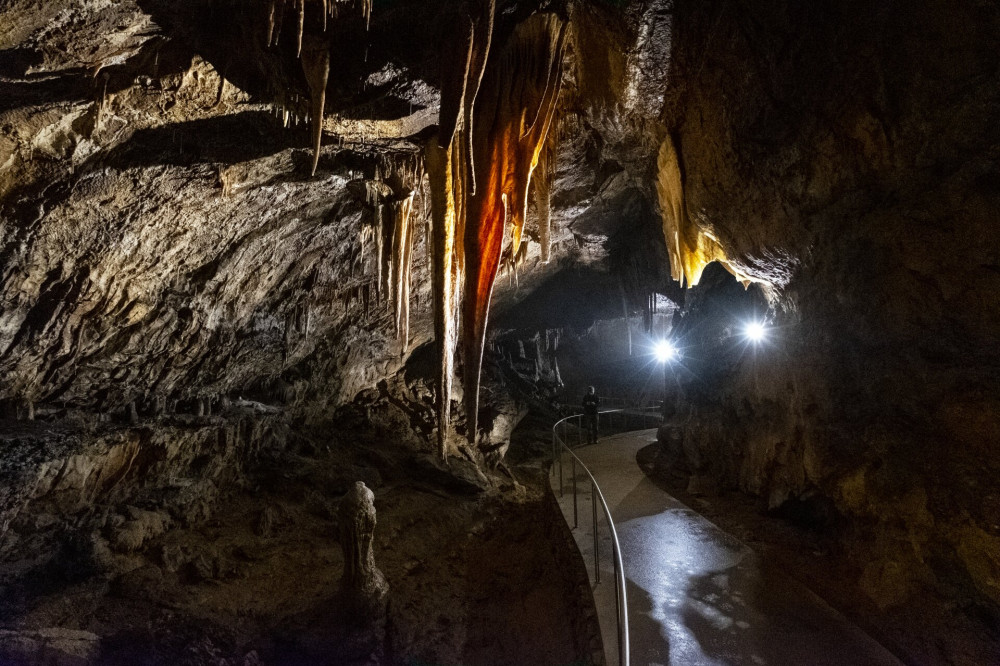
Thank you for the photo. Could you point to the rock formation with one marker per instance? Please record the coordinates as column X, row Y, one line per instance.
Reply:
column 363, row 587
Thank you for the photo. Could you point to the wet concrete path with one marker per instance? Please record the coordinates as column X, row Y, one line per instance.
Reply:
column 696, row 595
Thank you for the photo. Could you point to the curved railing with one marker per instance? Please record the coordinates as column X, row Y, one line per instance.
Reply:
column 625, row 417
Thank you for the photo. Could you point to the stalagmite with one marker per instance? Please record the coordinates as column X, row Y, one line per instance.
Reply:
column 514, row 110
column 363, row 586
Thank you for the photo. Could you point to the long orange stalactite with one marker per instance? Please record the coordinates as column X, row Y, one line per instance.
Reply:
column 513, row 112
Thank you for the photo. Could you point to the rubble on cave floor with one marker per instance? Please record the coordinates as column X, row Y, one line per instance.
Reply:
column 256, row 579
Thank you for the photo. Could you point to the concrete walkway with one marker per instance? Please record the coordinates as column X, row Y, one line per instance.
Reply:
column 696, row 595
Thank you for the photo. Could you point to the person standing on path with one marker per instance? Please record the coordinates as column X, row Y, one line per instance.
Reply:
column 590, row 405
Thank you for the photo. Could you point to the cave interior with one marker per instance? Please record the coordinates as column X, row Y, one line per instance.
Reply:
column 293, row 291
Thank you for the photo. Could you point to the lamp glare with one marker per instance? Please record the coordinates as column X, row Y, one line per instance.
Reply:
column 755, row 331
column 664, row 351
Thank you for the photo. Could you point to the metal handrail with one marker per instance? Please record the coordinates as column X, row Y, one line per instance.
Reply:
column 621, row 600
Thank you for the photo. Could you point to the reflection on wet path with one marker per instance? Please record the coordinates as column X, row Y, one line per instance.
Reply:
column 696, row 595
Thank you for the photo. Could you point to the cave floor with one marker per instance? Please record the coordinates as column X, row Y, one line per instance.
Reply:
column 256, row 583
column 697, row 595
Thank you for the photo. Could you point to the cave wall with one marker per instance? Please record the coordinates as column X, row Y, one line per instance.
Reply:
column 160, row 243
column 845, row 154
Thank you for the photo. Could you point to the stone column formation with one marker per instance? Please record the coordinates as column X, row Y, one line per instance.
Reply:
column 363, row 586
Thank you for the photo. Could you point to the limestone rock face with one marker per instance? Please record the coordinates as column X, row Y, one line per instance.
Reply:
column 162, row 242
column 173, row 245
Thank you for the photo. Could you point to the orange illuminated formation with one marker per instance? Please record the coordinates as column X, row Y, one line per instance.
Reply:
column 481, row 174
column 691, row 246
column 449, row 166
column 513, row 113
column 541, row 181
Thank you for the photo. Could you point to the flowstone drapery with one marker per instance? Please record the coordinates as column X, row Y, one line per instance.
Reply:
column 691, row 247
column 481, row 168
column 450, row 157
column 514, row 110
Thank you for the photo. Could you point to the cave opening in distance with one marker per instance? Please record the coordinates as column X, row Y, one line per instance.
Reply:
column 254, row 253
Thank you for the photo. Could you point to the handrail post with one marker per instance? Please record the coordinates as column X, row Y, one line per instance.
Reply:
column 554, row 450
column 561, row 492
column 593, row 506
column 575, row 521
column 618, row 607
column 559, row 443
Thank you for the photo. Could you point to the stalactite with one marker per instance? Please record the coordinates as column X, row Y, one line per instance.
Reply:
column 541, row 181
column 302, row 24
column 274, row 22
column 514, row 109
column 446, row 174
column 448, row 157
column 316, row 65
column 381, row 253
column 313, row 50
column 464, row 66
column 496, row 109
column 402, row 255
column 389, row 192
column 628, row 325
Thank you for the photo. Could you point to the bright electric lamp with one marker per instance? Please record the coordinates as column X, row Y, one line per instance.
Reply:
column 664, row 351
column 754, row 331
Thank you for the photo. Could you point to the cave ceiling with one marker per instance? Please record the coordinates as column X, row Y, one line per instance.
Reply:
column 300, row 202
column 202, row 198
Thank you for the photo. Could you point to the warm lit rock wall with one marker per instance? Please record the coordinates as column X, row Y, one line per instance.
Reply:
column 847, row 153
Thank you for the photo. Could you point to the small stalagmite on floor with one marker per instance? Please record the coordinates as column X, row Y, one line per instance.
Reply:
column 364, row 588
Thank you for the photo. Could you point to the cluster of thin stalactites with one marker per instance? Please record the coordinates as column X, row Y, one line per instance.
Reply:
column 493, row 150
column 313, row 50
